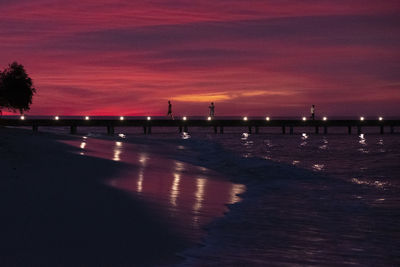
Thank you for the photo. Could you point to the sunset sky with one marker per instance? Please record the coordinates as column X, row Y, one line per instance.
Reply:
column 254, row 57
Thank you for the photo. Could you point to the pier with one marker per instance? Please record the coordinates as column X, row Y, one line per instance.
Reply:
column 218, row 125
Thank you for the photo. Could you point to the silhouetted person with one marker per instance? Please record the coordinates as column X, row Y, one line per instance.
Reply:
column 312, row 112
column 211, row 108
column 170, row 110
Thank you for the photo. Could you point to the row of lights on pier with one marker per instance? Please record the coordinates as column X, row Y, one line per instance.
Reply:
column 208, row 118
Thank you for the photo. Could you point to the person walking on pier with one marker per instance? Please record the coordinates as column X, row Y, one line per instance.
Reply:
column 312, row 112
column 170, row 110
column 211, row 108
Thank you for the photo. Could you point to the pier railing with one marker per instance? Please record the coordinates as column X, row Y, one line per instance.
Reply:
column 217, row 124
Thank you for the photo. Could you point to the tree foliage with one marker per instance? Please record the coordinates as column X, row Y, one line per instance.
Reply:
column 16, row 88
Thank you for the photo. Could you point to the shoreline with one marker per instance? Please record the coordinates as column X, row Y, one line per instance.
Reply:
column 48, row 220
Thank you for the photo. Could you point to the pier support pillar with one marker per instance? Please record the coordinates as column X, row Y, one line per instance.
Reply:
column 35, row 128
column 144, row 129
column 325, row 129
column 359, row 130
column 149, row 129
column 215, row 129
column 180, row 129
column 185, row 128
column 382, row 129
column 257, row 129
column 283, row 130
column 249, row 129
column 110, row 130
column 73, row 129
column 291, row 130
column 316, row 129
column 349, row 129
column 221, row 129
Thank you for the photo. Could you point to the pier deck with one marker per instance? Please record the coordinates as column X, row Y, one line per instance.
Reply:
column 287, row 125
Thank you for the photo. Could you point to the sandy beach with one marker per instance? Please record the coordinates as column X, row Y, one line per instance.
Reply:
column 58, row 211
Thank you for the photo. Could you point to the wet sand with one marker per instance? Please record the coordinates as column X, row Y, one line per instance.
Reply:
column 189, row 196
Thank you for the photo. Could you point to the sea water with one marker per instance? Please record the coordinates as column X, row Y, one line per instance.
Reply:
column 306, row 199
column 311, row 200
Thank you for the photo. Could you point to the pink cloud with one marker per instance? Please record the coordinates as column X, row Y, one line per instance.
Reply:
column 129, row 57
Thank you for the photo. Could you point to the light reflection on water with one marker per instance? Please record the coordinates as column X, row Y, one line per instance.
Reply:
column 117, row 151
column 304, row 138
column 236, row 190
column 185, row 135
column 139, row 182
column 199, row 198
column 175, row 188
column 83, row 146
column 366, row 156
column 191, row 195
column 325, row 142
column 375, row 183
column 318, row 167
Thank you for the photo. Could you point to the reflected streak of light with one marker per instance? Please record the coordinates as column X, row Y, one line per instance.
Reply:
column 318, row 167
column 175, row 189
column 199, row 197
column 376, row 183
column 185, row 135
column 117, row 151
column 143, row 159
column 116, row 157
column 235, row 191
column 362, row 140
column 140, row 181
column 83, row 145
column 179, row 166
column 199, row 194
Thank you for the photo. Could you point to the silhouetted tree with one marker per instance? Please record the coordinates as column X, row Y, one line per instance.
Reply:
column 16, row 88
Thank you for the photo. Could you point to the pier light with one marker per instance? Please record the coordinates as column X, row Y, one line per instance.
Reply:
column 184, row 118
column 209, row 118
column 324, row 118
column 304, row 118
column 87, row 118
column 361, row 118
column 121, row 118
column 267, row 118
column 56, row 118
column 22, row 117
column 380, row 118
column 148, row 118
column 245, row 118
